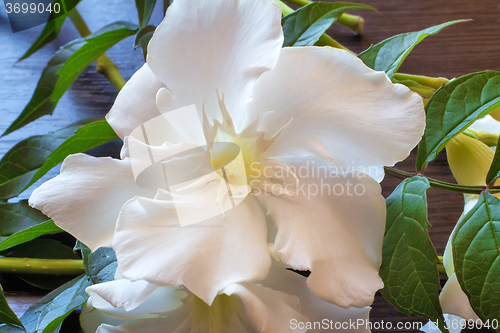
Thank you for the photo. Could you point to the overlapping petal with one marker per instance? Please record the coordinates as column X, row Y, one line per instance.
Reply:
column 87, row 196
column 486, row 124
column 317, row 310
column 340, row 108
column 139, row 299
column 267, row 310
column 335, row 235
column 135, row 103
column 205, row 257
column 204, row 45
column 454, row 301
column 281, row 304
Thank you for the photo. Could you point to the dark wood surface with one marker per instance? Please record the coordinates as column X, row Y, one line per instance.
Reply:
column 457, row 50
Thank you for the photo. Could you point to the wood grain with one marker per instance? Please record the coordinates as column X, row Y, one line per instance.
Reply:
column 457, row 50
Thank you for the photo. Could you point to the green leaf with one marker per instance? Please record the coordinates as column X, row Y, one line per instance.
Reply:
column 144, row 10
column 94, row 46
column 48, row 34
column 41, row 103
column 409, row 267
column 390, row 53
column 476, row 256
column 20, row 163
column 50, row 31
column 305, row 26
column 494, row 171
column 454, row 107
column 142, row 39
column 100, row 265
column 23, row 236
column 46, row 315
column 7, row 316
column 18, row 216
column 86, row 137
column 43, row 249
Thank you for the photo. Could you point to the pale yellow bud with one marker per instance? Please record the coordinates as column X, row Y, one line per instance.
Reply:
column 469, row 160
column 496, row 114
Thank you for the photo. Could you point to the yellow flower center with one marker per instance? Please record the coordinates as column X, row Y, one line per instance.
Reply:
column 215, row 318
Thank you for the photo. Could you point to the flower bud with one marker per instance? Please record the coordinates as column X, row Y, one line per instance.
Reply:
column 469, row 160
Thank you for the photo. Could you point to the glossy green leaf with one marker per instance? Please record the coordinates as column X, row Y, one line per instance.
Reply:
column 50, row 31
column 494, row 171
column 7, row 316
column 476, row 256
column 43, row 249
column 18, row 216
column 305, row 26
column 46, row 315
column 23, row 236
column 454, row 107
column 94, row 46
column 20, row 163
column 48, row 34
column 389, row 54
column 41, row 102
column 142, row 39
column 144, row 10
column 409, row 268
column 86, row 137
column 100, row 265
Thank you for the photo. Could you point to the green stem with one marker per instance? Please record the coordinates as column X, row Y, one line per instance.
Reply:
column 79, row 23
column 41, row 266
column 441, row 269
column 104, row 65
column 108, row 69
column 425, row 92
column 441, row 184
column 431, row 82
column 353, row 22
column 329, row 41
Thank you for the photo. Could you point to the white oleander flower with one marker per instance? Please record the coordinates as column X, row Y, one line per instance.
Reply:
column 281, row 303
column 284, row 108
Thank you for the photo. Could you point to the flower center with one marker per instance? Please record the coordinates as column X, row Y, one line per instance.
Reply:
column 215, row 318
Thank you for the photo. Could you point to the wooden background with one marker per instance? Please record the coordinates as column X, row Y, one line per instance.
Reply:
column 457, row 50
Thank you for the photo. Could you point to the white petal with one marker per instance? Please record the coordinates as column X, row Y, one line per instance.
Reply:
column 87, row 196
column 205, row 257
column 138, row 299
column 177, row 126
column 357, row 114
column 135, row 103
column 134, row 300
column 91, row 318
column 314, row 308
column 470, row 202
column 154, row 325
column 251, row 308
column 204, row 45
column 334, row 228
column 454, row 300
column 267, row 310
column 486, row 124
